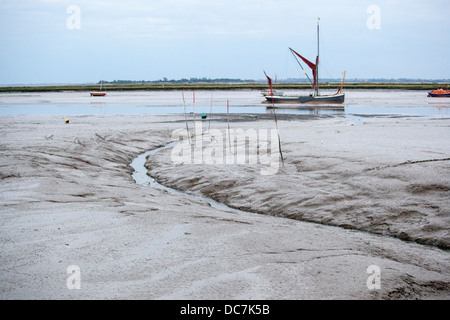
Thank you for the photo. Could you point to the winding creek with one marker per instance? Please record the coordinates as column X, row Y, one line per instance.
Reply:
column 140, row 175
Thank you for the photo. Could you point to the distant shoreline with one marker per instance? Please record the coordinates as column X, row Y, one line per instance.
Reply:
column 223, row 86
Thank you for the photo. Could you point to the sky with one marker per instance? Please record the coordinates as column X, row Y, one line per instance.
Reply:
column 83, row 41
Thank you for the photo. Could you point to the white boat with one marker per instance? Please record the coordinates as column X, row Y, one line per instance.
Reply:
column 271, row 91
column 268, row 92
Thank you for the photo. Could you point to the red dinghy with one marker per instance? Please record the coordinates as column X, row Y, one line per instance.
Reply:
column 98, row 93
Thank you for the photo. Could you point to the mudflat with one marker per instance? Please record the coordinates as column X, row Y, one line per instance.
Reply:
column 356, row 210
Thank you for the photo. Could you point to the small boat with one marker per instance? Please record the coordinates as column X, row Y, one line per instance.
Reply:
column 98, row 93
column 315, row 96
column 439, row 93
column 271, row 91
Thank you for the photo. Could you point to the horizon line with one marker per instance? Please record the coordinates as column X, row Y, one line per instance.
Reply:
column 199, row 80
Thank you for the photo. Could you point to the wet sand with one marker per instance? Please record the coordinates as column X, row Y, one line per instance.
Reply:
column 350, row 195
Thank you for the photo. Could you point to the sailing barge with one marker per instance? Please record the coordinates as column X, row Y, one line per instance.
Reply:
column 315, row 96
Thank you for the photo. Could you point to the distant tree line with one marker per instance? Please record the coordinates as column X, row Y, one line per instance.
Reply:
column 180, row 81
column 364, row 80
column 289, row 80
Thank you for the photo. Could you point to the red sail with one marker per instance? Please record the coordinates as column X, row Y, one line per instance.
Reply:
column 310, row 64
column 270, row 83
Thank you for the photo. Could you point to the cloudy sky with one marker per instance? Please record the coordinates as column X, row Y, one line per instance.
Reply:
column 82, row 41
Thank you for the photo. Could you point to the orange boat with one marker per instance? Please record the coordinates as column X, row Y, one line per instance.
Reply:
column 439, row 93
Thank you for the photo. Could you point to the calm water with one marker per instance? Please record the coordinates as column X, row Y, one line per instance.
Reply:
column 357, row 103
